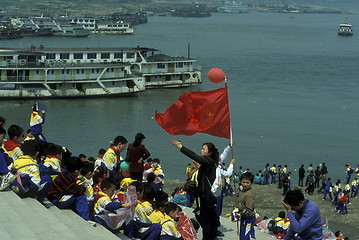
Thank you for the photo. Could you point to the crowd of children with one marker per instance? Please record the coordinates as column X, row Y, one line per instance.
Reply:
column 270, row 175
column 93, row 188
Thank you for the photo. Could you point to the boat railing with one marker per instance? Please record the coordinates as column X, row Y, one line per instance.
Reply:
column 162, row 57
column 27, row 80
column 59, row 64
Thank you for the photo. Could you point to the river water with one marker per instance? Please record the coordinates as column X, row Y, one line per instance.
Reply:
column 293, row 89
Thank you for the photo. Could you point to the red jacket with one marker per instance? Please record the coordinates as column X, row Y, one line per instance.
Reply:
column 135, row 154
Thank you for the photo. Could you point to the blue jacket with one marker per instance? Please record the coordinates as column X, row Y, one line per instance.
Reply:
column 36, row 120
column 307, row 223
column 328, row 185
column 5, row 161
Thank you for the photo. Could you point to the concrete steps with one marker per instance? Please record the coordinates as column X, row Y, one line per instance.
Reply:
column 28, row 219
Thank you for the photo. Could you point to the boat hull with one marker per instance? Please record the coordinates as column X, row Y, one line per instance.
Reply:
column 19, row 94
column 184, row 79
column 345, row 33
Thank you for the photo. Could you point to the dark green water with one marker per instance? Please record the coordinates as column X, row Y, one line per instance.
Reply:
column 293, row 86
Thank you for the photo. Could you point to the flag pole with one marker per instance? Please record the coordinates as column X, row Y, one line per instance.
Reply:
column 230, row 132
column 230, row 122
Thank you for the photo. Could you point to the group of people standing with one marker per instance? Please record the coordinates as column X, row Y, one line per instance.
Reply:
column 339, row 193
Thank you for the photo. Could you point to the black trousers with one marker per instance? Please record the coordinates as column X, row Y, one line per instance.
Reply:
column 208, row 219
column 300, row 183
column 137, row 176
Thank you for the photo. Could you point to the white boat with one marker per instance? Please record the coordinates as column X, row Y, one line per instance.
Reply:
column 113, row 28
column 90, row 72
column 233, row 8
column 96, row 26
column 345, row 29
column 64, row 25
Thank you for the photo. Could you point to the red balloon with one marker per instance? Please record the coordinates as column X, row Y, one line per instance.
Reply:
column 216, row 75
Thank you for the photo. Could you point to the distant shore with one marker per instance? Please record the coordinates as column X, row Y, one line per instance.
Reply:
column 268, row 200
column 80, row 8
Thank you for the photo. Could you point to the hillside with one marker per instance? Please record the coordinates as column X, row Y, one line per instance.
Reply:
column 94, row 7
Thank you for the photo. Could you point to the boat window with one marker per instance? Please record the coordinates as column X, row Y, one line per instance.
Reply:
column 78, row 56
column 8, row 57
column 50, row 55
column 62, row 71
column 78, row 71
column 92, row 70
column 105, row 55
column 179, row 65
column 52, row 71
column 83, row 71
column 64, row 56
column 37, row 71
column 130, row 55
column 91, row 56
column 161, row 65
column 118, row 55
column 67, row 71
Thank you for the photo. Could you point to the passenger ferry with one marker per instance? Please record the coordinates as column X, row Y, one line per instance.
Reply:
column 77, row 27
column 103, row 27
column 345, row 29
column 40, row 72
column 233, row 8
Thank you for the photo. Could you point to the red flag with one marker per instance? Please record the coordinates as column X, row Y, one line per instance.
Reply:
column 205, row 112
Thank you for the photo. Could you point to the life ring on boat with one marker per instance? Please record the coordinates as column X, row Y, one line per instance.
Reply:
column 22, row 62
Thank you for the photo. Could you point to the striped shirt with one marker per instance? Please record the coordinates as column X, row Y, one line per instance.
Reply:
column 65, row 184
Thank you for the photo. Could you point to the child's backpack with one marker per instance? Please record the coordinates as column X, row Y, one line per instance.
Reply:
column 217, row 185
column 271, row 225
column 191, row 185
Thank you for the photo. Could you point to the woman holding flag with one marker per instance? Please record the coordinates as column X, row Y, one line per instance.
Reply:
column 202, row 112
column 206, row 175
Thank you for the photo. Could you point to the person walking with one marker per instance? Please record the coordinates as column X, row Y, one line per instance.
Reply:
column 301, row 175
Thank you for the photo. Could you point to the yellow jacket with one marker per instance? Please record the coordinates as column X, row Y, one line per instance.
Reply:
column 27, row 166
column 169, row 227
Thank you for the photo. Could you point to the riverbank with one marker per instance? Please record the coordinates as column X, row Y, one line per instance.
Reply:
column 163, row 7
column 268, row 200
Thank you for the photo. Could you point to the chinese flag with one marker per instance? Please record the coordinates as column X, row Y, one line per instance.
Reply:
column 205, row 112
